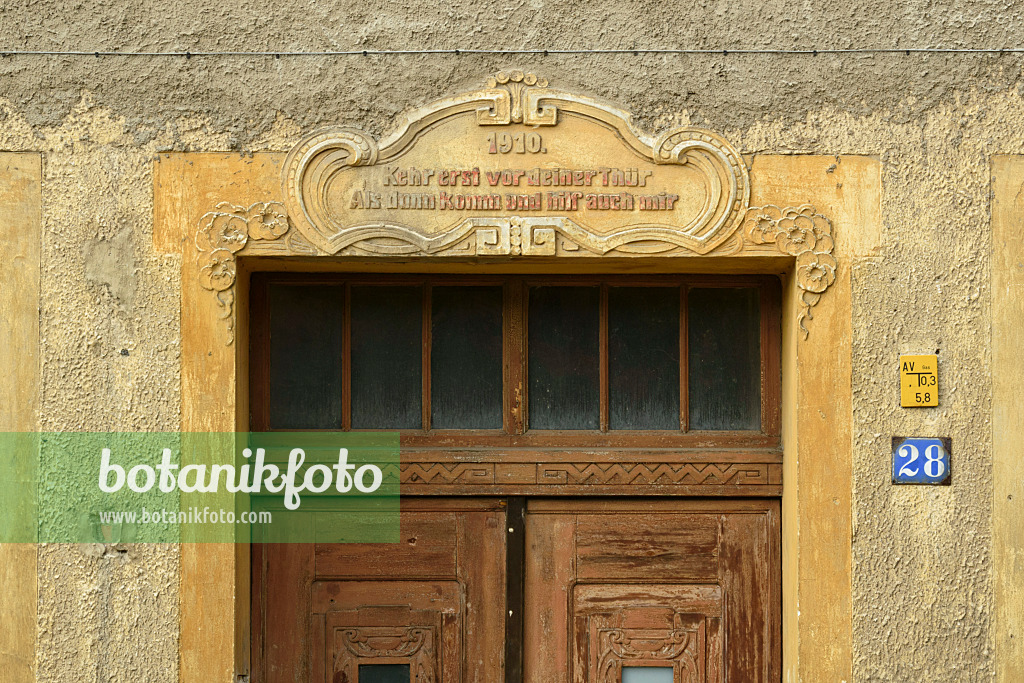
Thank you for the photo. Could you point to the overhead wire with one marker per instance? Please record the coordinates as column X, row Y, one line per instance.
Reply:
column 188, row 54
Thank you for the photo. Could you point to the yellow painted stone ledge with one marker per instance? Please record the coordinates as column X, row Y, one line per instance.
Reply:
column 1008, row 415
column 20, row 233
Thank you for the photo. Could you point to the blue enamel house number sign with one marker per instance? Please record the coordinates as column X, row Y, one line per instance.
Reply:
column 920, row 461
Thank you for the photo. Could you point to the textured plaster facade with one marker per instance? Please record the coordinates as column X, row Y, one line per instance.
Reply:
column 923, row 587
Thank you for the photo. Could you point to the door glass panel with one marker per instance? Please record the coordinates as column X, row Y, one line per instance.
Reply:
column 725, row 358
column 465, row 358
column 385, row 673
column 645, row 674
column 643, row 357
column 387, row 357
column 305, row 356
column 564, row 358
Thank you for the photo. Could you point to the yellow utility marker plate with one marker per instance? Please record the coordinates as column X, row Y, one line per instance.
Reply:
column 919, row 381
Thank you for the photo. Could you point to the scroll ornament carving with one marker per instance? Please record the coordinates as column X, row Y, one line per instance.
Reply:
column 617, row 645
column 406, row 643
column 224, row 232
column 414, row 643
column 806, row 234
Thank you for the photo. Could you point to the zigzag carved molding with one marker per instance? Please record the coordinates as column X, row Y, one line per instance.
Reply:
column 592, row 474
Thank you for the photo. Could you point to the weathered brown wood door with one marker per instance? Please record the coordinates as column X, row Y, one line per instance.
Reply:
column 684, row 588
column 591, row 472
column 429, row 609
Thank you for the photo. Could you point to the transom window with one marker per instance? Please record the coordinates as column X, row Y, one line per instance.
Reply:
column 520, row 357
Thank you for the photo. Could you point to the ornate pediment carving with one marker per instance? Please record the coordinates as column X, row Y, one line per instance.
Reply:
column 517, row 168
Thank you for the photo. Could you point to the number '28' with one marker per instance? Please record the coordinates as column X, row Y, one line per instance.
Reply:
column 934, row 465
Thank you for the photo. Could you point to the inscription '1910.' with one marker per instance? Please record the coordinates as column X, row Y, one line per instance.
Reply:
column 518, row 143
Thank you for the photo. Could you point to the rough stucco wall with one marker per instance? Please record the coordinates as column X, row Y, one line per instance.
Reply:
column 109, row 329
column 921, row 585
column 922, row 592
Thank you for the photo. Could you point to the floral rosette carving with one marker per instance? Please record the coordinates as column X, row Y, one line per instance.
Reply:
column 267, row 221
column 805, row 234
column 223, row 233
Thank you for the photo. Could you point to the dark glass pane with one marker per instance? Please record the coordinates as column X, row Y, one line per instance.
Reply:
column 647, row 674
column 643, row 357
column 305, row 356
column 387, row 352
column 383, row 673
column 465, row 358
column 725, row 359
column 564, row 367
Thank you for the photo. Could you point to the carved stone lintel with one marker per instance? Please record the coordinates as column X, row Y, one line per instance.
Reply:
column 514, row 236
column 806, row 234
column 800, row 232
column 223, row 233
column 338, row 185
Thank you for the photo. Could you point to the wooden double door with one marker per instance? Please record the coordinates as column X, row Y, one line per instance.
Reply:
column 543, row 590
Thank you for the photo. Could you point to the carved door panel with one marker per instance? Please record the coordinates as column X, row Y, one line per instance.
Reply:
column 688, row 588
column 429, row 609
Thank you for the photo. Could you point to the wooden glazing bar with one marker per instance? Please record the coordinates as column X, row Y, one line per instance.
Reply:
column 346, row 360
column 259, row 355
column 771, row 358
column 603, row 355
column 427, row 344
column 684, row 359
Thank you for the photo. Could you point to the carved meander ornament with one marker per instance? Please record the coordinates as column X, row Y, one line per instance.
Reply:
column 515, row 170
